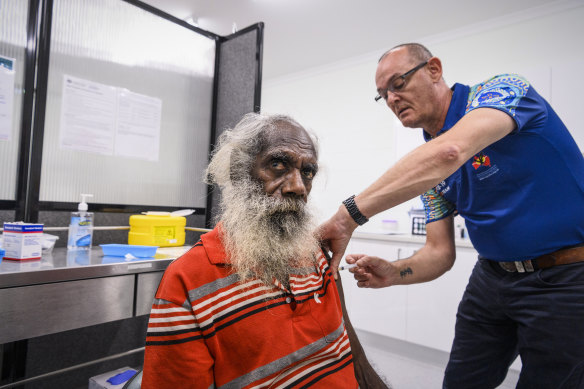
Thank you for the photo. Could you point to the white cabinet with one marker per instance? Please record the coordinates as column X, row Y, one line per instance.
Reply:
column 432, row 306
column 422, row 313
column 380, row 311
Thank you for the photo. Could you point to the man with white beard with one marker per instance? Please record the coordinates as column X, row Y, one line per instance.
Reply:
column 253, row 303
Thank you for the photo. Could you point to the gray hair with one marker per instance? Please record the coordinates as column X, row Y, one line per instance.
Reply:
column 237, row 148
column 416, row 51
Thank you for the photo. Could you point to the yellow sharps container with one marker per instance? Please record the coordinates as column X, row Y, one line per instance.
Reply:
column 162, row 229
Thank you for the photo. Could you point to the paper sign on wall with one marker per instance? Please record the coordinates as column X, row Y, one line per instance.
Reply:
column 138, row 129
column 6, row 96
column 88, row 116
column 109, row 120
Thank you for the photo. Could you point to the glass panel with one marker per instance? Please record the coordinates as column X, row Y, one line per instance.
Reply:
column 130, row 55
column 13, row 19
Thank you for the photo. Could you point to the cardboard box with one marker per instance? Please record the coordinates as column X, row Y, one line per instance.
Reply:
column 22, row 241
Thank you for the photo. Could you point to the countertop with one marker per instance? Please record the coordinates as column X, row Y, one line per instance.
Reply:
column 65, row 265
column 404, row 238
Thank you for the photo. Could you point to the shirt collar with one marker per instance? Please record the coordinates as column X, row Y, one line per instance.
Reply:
column 456, row 109
column 214, row 246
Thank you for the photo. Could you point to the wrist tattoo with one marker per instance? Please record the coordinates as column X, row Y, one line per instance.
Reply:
column 406, row 272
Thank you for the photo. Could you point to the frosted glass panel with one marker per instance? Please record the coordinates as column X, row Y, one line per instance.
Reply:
column 13, row 18
column 120, row 47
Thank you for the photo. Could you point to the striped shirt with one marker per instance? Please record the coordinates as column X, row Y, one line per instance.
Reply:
column 208, row 329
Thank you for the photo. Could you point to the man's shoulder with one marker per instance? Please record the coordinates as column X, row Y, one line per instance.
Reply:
column 503, row 91
column 198, row 265
column 505, row 79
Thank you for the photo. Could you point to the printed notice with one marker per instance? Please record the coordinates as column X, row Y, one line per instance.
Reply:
column 88, row 116
column 109, row 120
column 138, row 129
column 6, row 97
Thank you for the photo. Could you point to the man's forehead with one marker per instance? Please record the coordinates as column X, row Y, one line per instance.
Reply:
column 288, row 135
column 393, row 62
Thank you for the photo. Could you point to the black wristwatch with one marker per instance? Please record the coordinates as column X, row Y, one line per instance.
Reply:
column 354, row 211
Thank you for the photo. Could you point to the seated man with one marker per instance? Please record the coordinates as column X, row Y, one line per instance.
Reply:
column 253, row 303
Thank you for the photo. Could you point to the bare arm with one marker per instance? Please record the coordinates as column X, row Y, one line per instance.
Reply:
column 418, row 171
column 434, row 259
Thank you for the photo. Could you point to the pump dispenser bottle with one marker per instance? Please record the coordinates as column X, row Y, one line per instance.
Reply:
column 81, row 227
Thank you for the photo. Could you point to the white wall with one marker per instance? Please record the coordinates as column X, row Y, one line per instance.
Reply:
column 360, row 139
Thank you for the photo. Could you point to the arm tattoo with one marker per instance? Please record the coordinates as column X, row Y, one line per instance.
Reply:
column 405, row 272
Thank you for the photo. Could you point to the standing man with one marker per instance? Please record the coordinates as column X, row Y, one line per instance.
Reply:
column 497, row 154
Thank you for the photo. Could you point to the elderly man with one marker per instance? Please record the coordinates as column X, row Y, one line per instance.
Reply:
column 497, row 154
column 253, row 303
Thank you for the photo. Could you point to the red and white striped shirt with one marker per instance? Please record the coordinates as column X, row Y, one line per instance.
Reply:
column 208, row 329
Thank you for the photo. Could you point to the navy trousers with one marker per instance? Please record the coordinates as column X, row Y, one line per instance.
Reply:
column 538, row 315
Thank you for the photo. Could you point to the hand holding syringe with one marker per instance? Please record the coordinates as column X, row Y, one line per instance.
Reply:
column 347, row 266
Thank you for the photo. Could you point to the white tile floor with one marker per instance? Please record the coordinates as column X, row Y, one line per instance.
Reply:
column 408, row 366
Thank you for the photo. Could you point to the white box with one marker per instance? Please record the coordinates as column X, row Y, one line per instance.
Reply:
column 22, row 241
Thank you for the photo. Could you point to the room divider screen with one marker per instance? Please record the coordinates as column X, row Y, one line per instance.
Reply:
column 125, row 103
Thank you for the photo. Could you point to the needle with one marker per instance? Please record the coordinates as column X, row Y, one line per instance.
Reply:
column 348, row 266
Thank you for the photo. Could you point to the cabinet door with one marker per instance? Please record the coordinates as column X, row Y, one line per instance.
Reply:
column 381, row 311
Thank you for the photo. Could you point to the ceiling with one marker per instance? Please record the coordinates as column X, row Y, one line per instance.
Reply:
column 302, row 34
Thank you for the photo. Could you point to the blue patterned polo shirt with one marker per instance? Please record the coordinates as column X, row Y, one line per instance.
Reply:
column 522, row 196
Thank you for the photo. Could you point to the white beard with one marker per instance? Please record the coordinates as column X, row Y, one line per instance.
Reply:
column 266, row 237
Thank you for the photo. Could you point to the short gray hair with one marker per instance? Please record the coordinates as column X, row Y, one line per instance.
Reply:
column 416, row 51
column 237, row 148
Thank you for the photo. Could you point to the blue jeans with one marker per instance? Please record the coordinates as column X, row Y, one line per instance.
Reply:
column 538, row 315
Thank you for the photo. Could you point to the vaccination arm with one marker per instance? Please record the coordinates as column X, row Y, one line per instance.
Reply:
column 418, row 171
column 428, row 263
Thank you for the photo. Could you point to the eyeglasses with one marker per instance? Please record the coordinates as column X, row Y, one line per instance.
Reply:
column 398, row 83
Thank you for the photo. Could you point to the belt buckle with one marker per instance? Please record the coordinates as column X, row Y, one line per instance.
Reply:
column 528, row 266
column 517, row 266
column 508, row 266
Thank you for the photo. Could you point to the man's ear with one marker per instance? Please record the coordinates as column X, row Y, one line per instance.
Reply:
column 435, row 68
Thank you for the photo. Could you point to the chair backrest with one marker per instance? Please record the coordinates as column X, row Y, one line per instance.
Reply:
column 135, row 382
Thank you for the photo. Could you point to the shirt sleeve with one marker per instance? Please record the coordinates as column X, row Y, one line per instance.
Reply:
column 176, row 354
column 436, row 206
column 513, row 95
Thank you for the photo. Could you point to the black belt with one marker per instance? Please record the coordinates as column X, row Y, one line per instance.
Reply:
column 560, row 257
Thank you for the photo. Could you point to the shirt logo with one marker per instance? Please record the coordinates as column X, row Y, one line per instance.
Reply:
column 481, row 160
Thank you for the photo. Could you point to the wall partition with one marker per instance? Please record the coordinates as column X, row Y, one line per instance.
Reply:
column 127, row 103
column 13, row 46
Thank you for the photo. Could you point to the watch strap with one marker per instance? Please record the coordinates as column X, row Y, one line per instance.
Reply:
column 357, row 216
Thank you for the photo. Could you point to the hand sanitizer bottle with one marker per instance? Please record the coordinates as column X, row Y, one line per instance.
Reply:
column 81, row 227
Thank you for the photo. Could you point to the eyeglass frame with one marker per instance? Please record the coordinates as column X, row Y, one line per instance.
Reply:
column 403, row 77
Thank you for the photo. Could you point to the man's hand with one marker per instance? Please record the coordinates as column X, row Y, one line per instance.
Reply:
column 373, row 272
column 335, row 234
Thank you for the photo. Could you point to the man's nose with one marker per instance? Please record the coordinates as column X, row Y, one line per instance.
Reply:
column 294, row 185
column 391, row 99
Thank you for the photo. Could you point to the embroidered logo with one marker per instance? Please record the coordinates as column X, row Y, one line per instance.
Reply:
column 481, row 160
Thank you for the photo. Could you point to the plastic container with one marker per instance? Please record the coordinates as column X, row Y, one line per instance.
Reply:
column 48, row 243
column 157, row 229
column 121, row 250
column 81, row 227
column 389, row 225
column 2, row 252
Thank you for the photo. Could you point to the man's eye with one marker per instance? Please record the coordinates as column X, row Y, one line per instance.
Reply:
column 308, row 173
column 278, row 165
column 398, row 84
